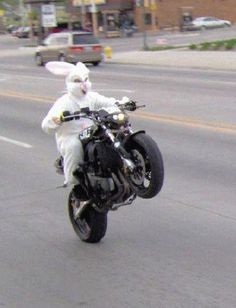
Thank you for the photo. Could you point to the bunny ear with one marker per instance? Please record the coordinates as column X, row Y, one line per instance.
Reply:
column 82, row 68
column 59, row 68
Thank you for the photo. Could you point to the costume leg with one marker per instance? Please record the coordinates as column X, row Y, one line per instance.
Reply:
column 73, row 154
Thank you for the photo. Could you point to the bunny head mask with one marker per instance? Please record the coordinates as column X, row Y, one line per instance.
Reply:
column 77, row 76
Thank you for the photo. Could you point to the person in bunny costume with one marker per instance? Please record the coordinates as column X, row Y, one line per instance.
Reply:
column 79, row 95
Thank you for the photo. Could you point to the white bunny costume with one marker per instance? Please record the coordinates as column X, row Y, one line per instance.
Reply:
column 78, row 96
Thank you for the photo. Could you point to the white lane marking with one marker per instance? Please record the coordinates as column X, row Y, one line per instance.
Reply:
column 19, row 143
column 116, row 90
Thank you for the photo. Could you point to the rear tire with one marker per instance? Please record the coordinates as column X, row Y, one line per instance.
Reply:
column 91, row 226
column 62, row 58
column 148, row 179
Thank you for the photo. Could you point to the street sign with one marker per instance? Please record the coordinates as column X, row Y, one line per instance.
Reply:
column 87, row 2
column 48, row 15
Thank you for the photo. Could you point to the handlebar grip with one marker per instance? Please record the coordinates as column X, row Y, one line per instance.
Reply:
column 131, row 106
column 64, row 115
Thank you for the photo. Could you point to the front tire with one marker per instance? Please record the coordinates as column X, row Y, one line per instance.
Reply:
column 148, row 178
column 96, row 63
column 91, row 226
column 39, row 59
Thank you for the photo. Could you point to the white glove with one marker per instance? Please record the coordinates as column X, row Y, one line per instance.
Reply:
column 124, row 100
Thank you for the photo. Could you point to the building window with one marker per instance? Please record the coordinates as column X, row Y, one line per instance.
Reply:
column 148, row 19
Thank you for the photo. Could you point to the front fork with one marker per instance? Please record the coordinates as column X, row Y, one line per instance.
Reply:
column 124, row 155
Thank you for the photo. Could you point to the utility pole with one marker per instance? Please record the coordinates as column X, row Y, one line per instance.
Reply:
column 22, row 12
column 94, row 17
column 145, row 46
column 82, row 14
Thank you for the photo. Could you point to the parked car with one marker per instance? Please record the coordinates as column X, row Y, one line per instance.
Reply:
column 14, row 31
column 23, row 32
column 202, row 23
column 70, row 47
column 11, row 28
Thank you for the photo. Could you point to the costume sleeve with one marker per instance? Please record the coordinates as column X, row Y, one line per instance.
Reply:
column 48, row 125
column 103, row 101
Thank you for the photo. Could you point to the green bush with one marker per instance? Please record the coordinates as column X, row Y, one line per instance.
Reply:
column 158, row 48
column 217, row 45
column 193, row 46
column 230, row 44
column 205, row 46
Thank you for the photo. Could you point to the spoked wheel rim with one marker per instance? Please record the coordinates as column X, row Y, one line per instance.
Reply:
column 151, row 165
column 141, row 176
column 82, row 222
column 87, row 223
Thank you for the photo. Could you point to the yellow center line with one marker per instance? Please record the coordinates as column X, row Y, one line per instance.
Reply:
column 175, row 120
column 28, row 96
column 190, row 122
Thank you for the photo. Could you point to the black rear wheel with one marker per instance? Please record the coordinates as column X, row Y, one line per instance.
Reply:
column 91, row 226
column 61, row 58
column 39, row 59
column 148, row 176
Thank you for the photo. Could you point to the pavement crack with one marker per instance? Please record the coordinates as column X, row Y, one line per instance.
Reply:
column 182, row 203
column 30, row 193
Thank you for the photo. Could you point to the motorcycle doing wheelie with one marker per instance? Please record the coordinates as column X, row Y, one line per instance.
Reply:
column 118, row 166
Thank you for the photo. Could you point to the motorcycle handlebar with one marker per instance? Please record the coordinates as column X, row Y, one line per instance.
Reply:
column 66, row 116
column 130, row 106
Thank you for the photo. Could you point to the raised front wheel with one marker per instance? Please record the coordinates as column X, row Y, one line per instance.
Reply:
column 148, row 176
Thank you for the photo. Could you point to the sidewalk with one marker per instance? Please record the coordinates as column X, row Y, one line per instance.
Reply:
column 218, row 60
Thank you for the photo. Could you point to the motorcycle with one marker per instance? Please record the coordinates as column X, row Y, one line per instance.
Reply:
column 119, row 165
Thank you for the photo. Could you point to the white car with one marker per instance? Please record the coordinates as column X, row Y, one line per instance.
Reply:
column 202, row 23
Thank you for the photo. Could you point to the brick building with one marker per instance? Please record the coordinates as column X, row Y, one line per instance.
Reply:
column 110, row 15
column 159, row 14
column 169, row 12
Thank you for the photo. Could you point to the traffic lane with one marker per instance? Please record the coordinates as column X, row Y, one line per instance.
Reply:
column 213, row 169
column 196, row 95
column 182, row 257
column 23, row 149
column 200, row 168
column 191, row 257
column 215, row 149
column 180, row 254
column 25, row 64
column 21, row 120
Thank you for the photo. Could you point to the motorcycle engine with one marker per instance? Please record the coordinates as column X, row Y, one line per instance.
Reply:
column 101, row 183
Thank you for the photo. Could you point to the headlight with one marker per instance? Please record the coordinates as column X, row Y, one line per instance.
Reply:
column 120, row 117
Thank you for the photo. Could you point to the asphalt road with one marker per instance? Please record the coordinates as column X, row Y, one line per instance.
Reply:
column 177, row 250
